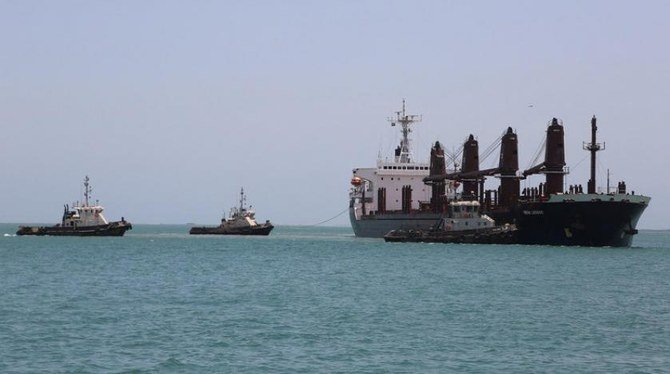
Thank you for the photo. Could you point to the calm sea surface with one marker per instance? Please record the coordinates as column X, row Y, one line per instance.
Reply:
column 308, row 299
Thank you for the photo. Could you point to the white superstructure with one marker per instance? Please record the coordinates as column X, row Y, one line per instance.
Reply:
column 393, row 177
column 464, row 216
column 240, row 216
column 395, row 185
column 84, row 214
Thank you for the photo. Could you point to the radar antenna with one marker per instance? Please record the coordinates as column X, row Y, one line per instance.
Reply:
column 403, row 152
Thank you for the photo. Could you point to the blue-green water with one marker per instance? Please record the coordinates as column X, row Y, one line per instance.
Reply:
column 307, row 300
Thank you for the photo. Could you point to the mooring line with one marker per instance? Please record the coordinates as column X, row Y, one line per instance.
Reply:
column 332, row 218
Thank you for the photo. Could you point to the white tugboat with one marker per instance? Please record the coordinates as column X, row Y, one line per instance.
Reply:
column 82, row 220
column 393, row 195
column 241, row 221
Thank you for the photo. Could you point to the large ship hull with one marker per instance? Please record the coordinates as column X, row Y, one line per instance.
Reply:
column 111, row 229
column 261, row 230
column 568, row 219
column 378, row 225
column 581, row 220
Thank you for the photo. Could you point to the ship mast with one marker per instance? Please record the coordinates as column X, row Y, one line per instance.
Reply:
column 403, row 152
column 243, row 199
column 593, row 147
column 87, row 190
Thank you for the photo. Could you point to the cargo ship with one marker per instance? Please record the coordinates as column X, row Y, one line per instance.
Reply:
column 84, row 219
column 551, row 213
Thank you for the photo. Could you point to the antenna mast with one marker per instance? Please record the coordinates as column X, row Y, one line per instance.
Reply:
column 87, row 190
column 403, row 152
column 593, row 147
column 242, row 199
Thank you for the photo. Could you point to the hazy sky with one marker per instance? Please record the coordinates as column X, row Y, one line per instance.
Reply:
column 171, row 106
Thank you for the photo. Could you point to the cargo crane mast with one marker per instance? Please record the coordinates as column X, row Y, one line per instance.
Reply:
column 403, row 152
column 553, row 166
column 473, row 178
column 594, row 147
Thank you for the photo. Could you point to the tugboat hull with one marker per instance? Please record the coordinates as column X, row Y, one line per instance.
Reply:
column 111, row 229
column 497, row 235
column 262, row 230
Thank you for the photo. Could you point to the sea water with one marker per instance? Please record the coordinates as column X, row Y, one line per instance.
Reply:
column 317, row 299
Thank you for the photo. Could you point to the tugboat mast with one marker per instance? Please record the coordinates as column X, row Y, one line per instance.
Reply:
column 87, row 190
column 593, row 147
column 403, row 152
column 243, row 199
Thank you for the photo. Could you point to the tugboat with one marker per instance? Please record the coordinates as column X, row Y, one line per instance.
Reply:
column 81, row 220
column 463, row 224
column 241, row 221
